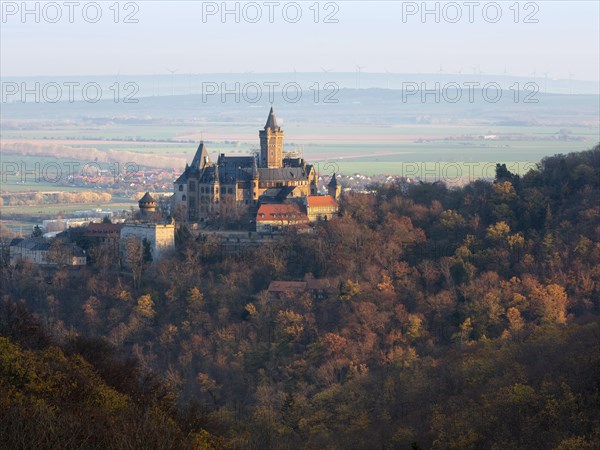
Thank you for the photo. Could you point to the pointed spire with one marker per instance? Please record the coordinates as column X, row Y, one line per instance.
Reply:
column 147, row 198
column 271, row 121
column 201, row 158
column 333, row 182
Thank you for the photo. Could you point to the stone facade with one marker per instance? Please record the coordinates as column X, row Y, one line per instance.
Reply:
column 44, row 252
column 278, row 217
column 321, row 207
column 160, row 236
column 235, row 183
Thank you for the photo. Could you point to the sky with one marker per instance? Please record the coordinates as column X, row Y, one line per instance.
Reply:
column 561, row 38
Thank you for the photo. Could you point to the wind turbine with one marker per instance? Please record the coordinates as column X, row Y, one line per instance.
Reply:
column 387, row 78
column 172, row 72
column 158, row 85
column 358, row 71
column 118, row 77
column 570, row 79
column 325, row 70
column 477, row 70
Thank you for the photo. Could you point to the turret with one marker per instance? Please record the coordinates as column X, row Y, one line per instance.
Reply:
column 201, row 158
column 147, row 206
column 271, row 143
column 334, row 188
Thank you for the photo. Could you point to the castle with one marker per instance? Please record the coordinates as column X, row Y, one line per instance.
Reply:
column 159, row 236
column 207, row 189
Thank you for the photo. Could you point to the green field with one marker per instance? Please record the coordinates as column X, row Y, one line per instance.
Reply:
column 427, row 171
column 368, row 132
column 23, row 218
column 120, row 204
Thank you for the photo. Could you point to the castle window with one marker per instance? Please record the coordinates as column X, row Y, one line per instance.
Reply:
column 192, row 186
column 181, row 187
column 202, row 190
column 183, row 198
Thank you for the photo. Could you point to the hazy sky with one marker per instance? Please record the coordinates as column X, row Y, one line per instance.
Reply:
column 371, row 34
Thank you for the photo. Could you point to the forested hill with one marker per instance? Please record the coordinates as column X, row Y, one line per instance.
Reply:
column 455, row 318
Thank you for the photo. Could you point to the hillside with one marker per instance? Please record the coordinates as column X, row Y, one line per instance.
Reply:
column 451, row 318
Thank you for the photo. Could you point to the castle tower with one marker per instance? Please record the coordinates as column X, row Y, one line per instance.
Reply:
column 216, row 184
column 147, row 206
column 254, row 181
column 201, row 158
column 271, row 143
column 334, row 188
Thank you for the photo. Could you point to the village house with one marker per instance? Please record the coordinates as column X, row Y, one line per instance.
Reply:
column 45, row 252
column 278, row 217
column 321, row 207
column 278, row 290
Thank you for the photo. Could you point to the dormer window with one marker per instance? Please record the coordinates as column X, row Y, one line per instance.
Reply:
column 180, row 187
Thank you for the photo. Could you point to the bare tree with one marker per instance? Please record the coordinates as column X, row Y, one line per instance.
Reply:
column 133, row 258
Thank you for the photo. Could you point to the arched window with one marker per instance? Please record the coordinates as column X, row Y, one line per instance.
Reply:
column 183, row 198
column 181, row 187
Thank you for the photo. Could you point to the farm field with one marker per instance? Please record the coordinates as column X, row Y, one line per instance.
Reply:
column 399, row 143
column 117, row 204
column 23, row 218
column 426, row 170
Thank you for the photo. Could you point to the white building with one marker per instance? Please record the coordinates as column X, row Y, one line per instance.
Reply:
column 160, row 236
column 40, row 251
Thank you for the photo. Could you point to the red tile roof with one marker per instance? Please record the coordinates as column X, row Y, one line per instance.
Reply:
column 321, row 201
column 318, row 284
column 287, row 286
column 285, row 212
column 103, row 229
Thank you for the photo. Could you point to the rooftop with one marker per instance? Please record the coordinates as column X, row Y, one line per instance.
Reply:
column 315, row 201
column 147, row 198
column 287, row 211
column 103, row 229
column 287, row 286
